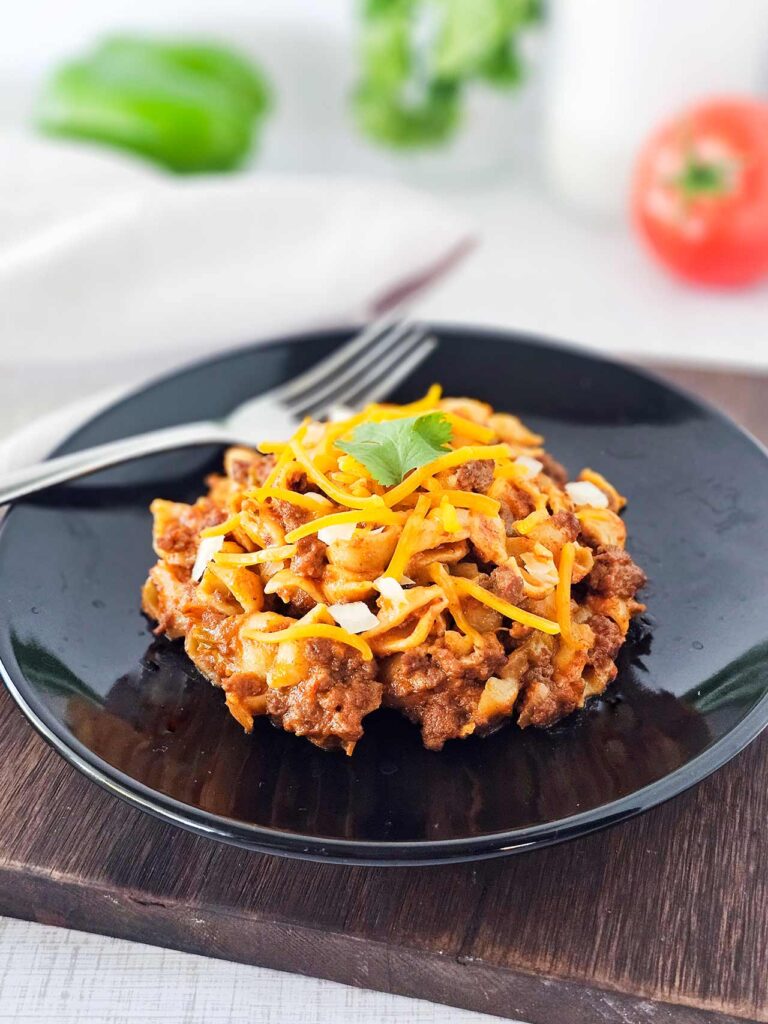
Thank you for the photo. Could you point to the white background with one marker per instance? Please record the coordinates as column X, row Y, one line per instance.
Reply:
column 547, row 262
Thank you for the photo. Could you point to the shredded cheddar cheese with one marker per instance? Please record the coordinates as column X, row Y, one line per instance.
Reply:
column 276, row 554
column 442, row 577
column 563, row 592
column 448, row 461
column 340, row 496
column 272, row 447
column 509, row 611
column 468, row 428
column 223, row 528
column 448, row 516
column 536, row 518
column 468, row 499
column 382, row 516
column 408, row 539
column 293, row 497
column 511, row 471
column 305, row 630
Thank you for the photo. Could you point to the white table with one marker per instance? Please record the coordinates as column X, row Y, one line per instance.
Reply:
column 54, row 975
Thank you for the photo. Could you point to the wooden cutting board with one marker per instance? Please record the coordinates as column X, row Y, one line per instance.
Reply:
column 661, row 919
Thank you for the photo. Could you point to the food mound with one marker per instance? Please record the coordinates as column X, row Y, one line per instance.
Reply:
column 429, row 557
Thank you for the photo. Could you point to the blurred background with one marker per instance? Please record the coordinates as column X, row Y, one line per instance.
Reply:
column 519, row 123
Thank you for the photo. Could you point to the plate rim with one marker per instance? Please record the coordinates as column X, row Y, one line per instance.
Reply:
column 282, row 842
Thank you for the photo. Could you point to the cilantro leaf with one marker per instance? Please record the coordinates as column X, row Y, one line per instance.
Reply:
column 389, row 449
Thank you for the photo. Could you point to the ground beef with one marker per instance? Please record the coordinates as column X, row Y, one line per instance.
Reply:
column 309, row 559
column 614, row 574
column 178, row 542
column 164, row 597
column 544, row 699
column 568, row 525
column 246, row 467
column 554, row 469
column 439, row 689
column 607, row 642
column 300, row 603
column 215, row 647
column 506, row 583
column 476, row 475
column 297, row 481
column 329, row 705
column 289, row 516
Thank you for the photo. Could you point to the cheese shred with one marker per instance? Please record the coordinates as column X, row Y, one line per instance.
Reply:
column 509, row 611
column 563, row 591
column 307, row 630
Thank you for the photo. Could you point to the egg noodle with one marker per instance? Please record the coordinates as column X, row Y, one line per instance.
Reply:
column 474, row 590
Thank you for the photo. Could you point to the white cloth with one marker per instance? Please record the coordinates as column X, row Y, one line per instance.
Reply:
column 105, row 261
column 103, row 258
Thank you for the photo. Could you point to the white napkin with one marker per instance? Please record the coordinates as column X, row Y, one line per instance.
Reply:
column 104, row 260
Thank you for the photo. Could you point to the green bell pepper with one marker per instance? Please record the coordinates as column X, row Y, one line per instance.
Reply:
column 188, row 106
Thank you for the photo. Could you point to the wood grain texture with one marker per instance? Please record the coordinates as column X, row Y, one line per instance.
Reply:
column 661, row 919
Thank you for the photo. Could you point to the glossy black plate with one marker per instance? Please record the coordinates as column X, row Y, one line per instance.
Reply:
column 130, row 711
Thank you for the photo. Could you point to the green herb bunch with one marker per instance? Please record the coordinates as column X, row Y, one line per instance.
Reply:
column 418, row 56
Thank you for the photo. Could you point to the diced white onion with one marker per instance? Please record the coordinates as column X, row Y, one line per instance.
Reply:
column 341, row 531
column 315, row 494
column 541, row 570
column 533, row 466
column 355, row 617
column 377, row 531
column 582, row 492
column 390, row 589
column 205, row 552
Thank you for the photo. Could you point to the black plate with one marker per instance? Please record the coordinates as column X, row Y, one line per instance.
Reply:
column 131, row 713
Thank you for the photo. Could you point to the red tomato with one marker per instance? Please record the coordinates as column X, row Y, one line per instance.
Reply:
column 700, row 195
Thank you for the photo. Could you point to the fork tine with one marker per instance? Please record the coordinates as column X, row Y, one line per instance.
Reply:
column 365, row 365
column 399, row 373
column 321, row 372
column 382, row 376
column 364, row 371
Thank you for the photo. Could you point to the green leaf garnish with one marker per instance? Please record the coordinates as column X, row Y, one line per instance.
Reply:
column 389, row 449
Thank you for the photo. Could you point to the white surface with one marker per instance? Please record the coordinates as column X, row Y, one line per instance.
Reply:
column 103, row 258
column 544, row 270
column 65, row 977
column 44, row 30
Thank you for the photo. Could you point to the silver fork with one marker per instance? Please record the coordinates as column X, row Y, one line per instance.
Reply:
column 364, row 370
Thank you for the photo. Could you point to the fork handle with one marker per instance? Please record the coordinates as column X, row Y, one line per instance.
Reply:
column 29, row 479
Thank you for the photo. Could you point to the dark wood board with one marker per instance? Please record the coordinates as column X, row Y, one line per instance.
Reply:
column 661, row 919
